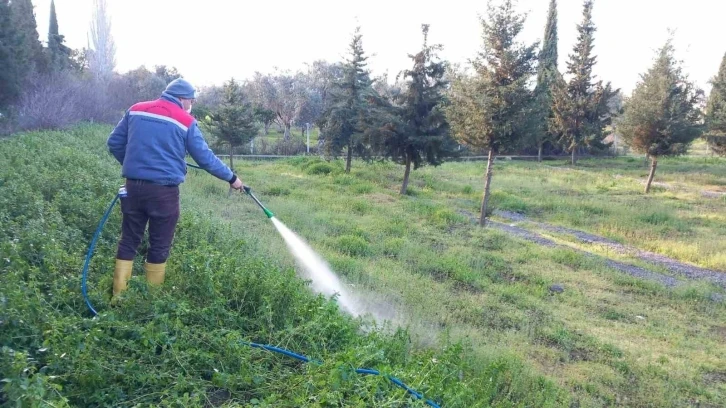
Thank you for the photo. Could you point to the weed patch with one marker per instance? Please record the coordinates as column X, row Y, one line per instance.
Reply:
column 183, row 344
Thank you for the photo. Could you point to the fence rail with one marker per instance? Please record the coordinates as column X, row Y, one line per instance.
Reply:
column 462, row 158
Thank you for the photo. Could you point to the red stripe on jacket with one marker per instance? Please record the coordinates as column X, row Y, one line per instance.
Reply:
column 165, row 108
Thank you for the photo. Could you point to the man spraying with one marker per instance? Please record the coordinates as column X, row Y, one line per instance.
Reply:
column 150, row 142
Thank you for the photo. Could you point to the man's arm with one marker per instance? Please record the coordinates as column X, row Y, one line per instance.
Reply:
column 117, row 140
column 205, row 157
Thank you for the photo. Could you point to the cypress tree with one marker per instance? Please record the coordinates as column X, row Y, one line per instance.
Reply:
column 662, row 117
column 59, row 55
column 28, row 50
column 10, row 71
column 53, row 24
column 547, row 74
column 579, row 108
column 716, row 112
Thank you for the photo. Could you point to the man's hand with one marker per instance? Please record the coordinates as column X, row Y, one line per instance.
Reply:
column 237, row 185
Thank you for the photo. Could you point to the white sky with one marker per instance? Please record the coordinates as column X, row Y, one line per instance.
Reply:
column 210, row 41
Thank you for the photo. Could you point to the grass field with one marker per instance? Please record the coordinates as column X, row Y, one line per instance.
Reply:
column 609, row 339
column 484, row 329
column 183, row 345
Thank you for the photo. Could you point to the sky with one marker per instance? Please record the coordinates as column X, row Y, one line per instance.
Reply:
column 211, row 41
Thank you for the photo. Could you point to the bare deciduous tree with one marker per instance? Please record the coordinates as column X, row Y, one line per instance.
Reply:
column 102, row 59
column 278, row 93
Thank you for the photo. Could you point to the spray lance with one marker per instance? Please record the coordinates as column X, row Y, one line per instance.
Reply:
column 267, row 212
column 248, row 191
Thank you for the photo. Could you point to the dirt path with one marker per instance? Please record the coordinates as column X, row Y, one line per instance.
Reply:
column 688, row 271
column 632, row 270
column 718, row 278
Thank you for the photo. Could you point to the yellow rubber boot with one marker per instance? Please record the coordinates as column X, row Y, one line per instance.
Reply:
column 121, row 275
column 155, row 273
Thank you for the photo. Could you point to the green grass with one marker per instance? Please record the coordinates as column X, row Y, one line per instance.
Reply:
column 609, row 339
column 482, row 327
column 181, row 345
column 605, row 197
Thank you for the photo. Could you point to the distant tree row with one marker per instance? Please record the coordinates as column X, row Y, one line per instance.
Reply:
column 51, row 85
column 512, row 100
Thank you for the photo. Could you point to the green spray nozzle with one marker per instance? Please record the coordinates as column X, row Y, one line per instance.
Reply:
column 267, row 212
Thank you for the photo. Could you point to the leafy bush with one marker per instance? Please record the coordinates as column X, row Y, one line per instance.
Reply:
column 321, row 169
column 505, row 201
column 393, row 246
column 309, row 161
column 360, row 207
column 656, row 218
column 446, row 216
column 344, row 179
column 277, row 191
column 363, row 188
column 353, row 245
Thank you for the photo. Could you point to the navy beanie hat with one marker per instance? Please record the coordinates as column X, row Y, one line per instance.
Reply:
column 181, row 88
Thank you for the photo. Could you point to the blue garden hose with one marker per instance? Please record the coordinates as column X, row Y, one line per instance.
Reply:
column 366, row 371
column 84, row 287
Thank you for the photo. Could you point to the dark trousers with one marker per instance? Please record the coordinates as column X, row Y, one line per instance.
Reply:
column 149, row 203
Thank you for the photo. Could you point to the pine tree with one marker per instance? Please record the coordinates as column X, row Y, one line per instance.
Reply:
column 10, row 71
column 580, row 111
column 233, row 123
column 488, row 110
column 716, row 112
column 349, row 113
column 28, row 50
column 547, row 74
column 662, row 117
column 419, row 132
column 59, row 55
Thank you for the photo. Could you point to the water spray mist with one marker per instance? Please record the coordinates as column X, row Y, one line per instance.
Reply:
column 317, row 270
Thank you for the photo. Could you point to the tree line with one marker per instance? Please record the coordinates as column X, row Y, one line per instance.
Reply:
column 512, row 99
column 47, row 85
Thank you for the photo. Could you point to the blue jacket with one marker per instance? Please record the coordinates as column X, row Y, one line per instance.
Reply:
column 152, row 139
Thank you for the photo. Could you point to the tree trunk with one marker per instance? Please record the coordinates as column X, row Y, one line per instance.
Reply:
column 287, row 131
column 231, row 162
column 350, row 156
column 653, row 165
column 487, row 184
column 406, row 174
column 574, row 156
column 267, row 128
column 539, row 153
